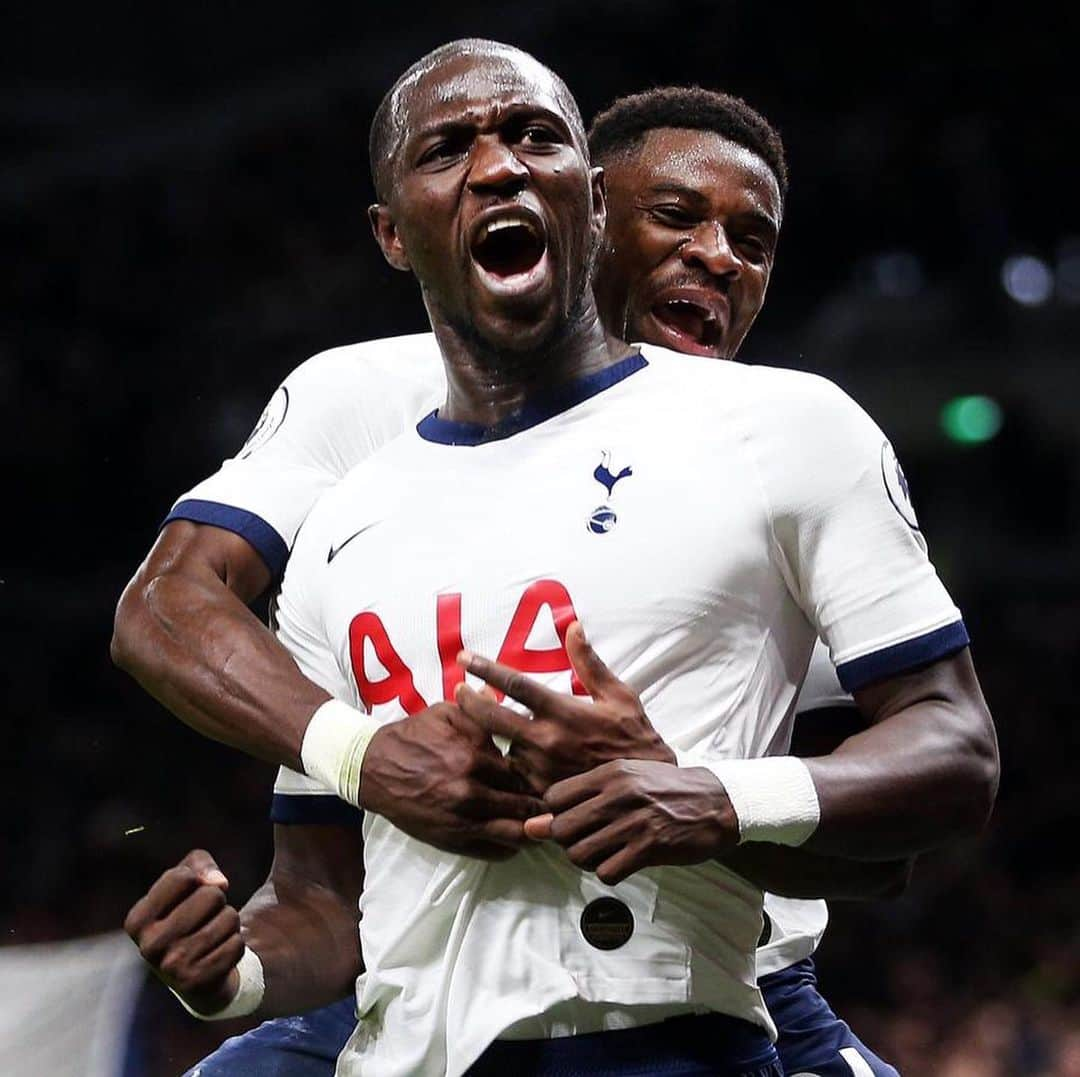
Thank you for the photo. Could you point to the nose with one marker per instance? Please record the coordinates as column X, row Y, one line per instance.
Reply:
column 495, row 168
column 708, row 247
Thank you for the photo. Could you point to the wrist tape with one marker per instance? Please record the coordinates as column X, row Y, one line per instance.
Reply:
column 774, row 799
column 248, row 995
column 334, row 745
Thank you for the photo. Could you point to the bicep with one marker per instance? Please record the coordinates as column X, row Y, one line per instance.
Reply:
column 949, row 682
column 204, row 552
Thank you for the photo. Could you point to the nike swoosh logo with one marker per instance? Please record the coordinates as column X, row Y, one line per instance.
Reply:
column 335, row 550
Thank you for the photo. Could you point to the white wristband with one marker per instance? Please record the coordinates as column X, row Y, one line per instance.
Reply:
column 248, row 995
column 334, row 745
column 774, row 799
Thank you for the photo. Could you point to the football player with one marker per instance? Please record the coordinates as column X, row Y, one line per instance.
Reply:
column 702, row 317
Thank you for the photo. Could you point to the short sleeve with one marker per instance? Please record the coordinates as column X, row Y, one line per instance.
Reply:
column 328, row 415
column 847, row 536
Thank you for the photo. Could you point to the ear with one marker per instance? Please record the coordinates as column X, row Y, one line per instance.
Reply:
column 599, row 199
column 387, row 236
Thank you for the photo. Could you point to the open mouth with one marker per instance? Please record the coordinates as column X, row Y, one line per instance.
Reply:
column 509, row 250
column 693, row 324
column 690, row 320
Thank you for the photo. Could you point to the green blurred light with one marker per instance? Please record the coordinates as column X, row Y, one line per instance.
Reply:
column 971, row 420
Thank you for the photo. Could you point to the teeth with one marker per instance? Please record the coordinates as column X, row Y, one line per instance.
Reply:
column 506, row 222
column 702, row 312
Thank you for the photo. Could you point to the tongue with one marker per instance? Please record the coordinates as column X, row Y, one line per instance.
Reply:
column 686, row 318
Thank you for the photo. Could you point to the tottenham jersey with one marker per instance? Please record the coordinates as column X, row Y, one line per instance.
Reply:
column 706, row 522
column 331, row 413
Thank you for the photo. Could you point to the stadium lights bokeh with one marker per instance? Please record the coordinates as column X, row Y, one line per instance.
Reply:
column 971, row 420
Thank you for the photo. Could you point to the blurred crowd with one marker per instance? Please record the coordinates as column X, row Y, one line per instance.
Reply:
column 163, row 287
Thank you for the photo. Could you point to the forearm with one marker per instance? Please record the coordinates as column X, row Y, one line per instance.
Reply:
column 307, row 940
column 924, row 772
column 193, row 644
column 798, row 873
column 914, row 781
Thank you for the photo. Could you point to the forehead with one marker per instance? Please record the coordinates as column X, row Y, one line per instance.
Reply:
column 467, row 87
column 703, row 161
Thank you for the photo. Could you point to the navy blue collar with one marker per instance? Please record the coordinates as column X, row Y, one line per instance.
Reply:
column 563, row 398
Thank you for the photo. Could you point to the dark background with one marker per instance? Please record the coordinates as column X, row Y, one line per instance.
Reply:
column 182, row 211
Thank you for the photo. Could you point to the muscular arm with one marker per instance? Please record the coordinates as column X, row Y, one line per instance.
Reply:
column 799, row 873
column 184, row 632
column 924, row 772
column 302, row 922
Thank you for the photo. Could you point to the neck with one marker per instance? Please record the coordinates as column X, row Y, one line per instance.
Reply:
column 485, row 385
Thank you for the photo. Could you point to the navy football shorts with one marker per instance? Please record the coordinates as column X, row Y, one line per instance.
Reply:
column 304, row 1046
column 813, row 1041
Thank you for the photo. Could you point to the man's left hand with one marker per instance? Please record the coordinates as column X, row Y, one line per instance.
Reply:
column 566, row 735
column 633, row 814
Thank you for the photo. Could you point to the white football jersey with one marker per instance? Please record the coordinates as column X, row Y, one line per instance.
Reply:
column 328, row 415
column 706, row 522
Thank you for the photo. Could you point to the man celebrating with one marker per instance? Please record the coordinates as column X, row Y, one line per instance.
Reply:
column 511, row 291
column 684, row 206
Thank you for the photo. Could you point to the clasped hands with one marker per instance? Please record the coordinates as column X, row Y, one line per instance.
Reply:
column 589, row 773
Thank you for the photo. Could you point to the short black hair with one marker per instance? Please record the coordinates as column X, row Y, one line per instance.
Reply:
column 387, row 123
column 622, row 126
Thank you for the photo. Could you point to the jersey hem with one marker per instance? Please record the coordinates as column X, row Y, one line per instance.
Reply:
column 929, row 647
column 266, row 542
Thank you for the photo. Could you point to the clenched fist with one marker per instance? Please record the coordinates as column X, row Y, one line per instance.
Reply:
column 188, row 933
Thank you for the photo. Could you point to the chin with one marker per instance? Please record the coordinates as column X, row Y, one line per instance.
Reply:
column 493, row 339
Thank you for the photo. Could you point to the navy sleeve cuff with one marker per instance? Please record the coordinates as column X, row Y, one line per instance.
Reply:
column 901, row 657
column 313, row 808
column 270, row 546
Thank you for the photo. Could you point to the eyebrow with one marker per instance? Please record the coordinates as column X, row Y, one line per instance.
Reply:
column 509, row 113
column 678, row 188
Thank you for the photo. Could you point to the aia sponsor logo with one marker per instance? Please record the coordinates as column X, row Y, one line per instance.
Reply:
column 393, row 681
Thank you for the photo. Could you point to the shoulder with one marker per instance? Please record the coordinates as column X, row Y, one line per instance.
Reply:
column 764, row 402
column 806, row 419
column 411, row 360
column 743, row 382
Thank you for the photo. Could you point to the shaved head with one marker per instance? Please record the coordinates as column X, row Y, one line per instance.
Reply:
column 388, row 126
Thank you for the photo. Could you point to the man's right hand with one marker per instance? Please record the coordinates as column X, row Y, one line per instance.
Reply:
column 563, row 735
column 188, row 933
column 438, row 776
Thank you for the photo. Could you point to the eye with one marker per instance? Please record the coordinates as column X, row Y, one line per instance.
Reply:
column 540, row 134
column 673, row 215
column 444, row 151
column 753, row 248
